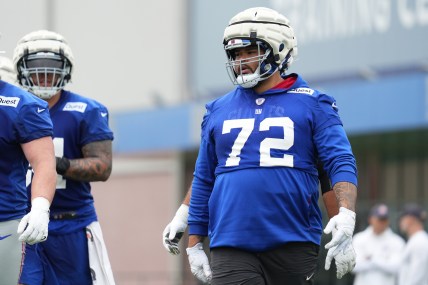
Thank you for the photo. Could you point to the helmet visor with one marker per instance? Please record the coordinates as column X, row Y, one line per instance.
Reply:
column 45, row 63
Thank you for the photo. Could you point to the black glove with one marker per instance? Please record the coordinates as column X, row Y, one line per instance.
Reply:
column 62, row 164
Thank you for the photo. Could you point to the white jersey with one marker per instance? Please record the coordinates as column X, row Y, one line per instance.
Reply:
column 378, row 257
column 414, row 268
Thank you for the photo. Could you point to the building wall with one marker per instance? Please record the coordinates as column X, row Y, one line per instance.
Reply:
column 128, row 54
column 133, row 208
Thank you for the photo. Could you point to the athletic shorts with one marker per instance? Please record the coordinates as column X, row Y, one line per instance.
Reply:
column 11, row 252
column 60, row 260
column 292, row 264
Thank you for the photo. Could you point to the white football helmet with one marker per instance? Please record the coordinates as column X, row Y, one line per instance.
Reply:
column 271, row 33
column 7, row 71
column 44, row 63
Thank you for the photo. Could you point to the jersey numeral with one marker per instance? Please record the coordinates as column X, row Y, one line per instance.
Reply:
column 247, row 126
column 59, row 152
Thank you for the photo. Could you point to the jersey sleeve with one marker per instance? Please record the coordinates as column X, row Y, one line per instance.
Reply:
column 335, row 152
column 203, row 181
column 95, row 126
column 326, row 113
column 33, row 122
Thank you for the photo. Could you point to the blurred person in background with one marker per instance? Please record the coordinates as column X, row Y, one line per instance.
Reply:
column 75, row 252
column 255, row 186
column 25, row 137
column 414, row 260
column 378, row 250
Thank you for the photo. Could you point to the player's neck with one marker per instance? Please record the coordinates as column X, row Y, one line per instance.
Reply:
column 54, row 99
column 267, row 84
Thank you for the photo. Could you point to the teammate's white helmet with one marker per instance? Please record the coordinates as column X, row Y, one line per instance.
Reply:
column 39, row 54
column 7, row 71
column 271, row 32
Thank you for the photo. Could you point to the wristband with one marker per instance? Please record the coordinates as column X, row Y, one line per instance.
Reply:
column 183, row 213
column 62, row 165
column 347, row 212
column 40, row 203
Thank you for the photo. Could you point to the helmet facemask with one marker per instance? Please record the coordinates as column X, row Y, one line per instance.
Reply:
column 265, row 68
column 44, row 73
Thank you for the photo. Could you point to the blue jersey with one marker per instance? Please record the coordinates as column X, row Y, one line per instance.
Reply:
column 255, row 183
column 24, row 118
column 77, row 121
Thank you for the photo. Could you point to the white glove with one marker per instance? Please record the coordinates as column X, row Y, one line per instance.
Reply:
column 344, row 256
column 33, row 227
column 340, row 247
column 199, row 264
column 174, row 230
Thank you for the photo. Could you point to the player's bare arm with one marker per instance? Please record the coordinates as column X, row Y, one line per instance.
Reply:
column 186, row 200
column 95, row 165
column 330, row 203
column 346, row 195
column 194, row 239
column 328, row 195
column 40, row 154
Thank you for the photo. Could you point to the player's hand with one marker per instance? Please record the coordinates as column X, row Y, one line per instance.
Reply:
column 33, row 227
column 199, row 264
column 344, row 256
column 342, row 225
column 174, row 230
column 340, row 247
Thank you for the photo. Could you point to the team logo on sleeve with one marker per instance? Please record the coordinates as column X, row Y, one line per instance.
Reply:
column 9, row 101
column 308, row 91
column 75, row 106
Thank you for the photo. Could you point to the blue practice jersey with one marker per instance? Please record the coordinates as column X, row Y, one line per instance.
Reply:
column 24, row 118
column 77, row 121
column 255, row 183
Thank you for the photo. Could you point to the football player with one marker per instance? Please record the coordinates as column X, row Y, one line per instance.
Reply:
column 83, row 149
column 25, row 137
column 255, row 186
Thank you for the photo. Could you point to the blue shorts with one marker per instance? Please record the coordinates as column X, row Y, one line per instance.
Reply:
column 60, row 260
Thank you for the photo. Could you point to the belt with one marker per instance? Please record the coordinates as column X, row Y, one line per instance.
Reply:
column 64, row 216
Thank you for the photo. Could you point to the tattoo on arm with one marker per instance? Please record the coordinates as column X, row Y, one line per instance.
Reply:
column 346, row 194
column 95, row 165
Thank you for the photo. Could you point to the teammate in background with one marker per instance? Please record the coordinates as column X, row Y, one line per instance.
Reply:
column 7, row 71
column 255, row 185
column 173, row 232
column 25, row 137
column 414, row 260
column 378, row 250
column 83, row 149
